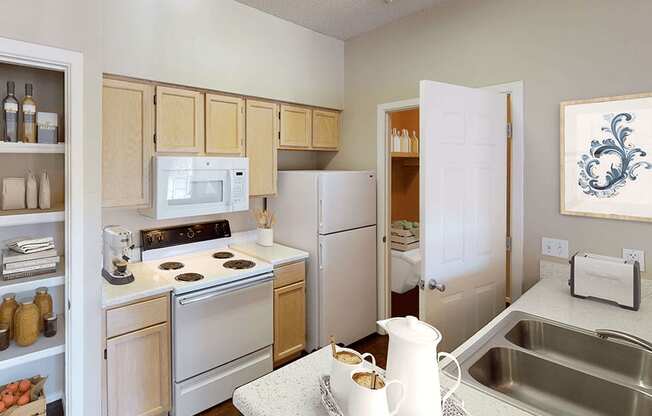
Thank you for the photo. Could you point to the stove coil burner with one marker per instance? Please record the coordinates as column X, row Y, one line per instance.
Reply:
column 239, row 264
column 188, row 277
column 223, row 255
column 170, row 265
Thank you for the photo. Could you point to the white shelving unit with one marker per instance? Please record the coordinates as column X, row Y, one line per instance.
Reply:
column 31, row 216
column 32, row 148
column 27, row 284
column 42, row 348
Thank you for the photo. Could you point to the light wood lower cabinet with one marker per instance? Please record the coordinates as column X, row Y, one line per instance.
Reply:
column 262, row 131
column 137, row 368
column 290, row 314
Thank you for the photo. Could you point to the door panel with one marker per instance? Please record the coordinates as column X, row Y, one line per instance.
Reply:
column 179, row 120
column 326, row 129
column 347, row 200
column 225, row 124
column 127, row 143
column 296, row 127
column 262, row 131
column 463, row 208
column 347, row 285
column 289, row 320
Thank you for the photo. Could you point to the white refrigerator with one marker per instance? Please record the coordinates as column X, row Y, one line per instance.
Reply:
column 332, row 216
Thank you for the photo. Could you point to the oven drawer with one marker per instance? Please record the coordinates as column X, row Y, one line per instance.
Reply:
column 213, row 387
column 215, row 326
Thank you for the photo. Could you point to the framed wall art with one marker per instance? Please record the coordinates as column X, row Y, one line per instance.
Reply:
column 606, row 157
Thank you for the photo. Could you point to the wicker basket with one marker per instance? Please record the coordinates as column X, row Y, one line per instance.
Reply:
column 34, row 408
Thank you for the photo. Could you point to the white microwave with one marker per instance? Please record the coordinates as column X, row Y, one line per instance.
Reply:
column 186, row 186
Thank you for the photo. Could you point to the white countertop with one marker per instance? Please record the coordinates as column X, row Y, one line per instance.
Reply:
column 150, row 281
column 276, row 255
column 294, row 389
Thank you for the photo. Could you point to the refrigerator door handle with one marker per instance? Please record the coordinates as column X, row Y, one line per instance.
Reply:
column 321, row 256
column 321, row 214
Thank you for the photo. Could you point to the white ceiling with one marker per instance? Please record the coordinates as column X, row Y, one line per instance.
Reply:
column 342, row 19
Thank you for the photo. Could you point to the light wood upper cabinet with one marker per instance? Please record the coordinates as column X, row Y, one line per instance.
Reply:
column 127, row 143
column 262, row 131
column 225, row 125
column 179, row 120
column 138, row 372
column 325, row 129
column 296, row 127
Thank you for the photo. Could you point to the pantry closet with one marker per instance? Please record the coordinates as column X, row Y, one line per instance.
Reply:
column 404, row 261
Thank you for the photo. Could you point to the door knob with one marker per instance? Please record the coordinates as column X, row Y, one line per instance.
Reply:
column 432, row 285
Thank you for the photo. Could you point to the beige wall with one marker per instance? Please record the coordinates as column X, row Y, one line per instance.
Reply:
column 223, row 45
column 561, row 50
column 75, row 25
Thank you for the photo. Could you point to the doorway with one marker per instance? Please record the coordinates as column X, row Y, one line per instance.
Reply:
column 394, row 173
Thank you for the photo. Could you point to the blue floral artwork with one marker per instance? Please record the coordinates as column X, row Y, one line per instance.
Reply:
column 605, row 183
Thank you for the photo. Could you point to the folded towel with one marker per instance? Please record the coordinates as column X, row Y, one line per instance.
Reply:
column 27, row 246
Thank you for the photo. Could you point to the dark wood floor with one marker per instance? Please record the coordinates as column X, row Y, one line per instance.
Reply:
column 374, row 344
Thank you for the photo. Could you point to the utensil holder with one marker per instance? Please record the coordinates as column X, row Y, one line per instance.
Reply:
column 266, row 237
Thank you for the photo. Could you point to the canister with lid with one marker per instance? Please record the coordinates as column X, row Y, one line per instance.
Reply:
column 7, row 312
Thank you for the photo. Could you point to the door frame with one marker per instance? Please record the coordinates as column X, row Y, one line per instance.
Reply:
column 515, row 89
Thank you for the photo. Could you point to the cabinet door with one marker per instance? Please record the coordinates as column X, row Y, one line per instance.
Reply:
column 289, row 321
column 225, row 124
column 262, row 131
column 127, row 143
column 138, row 372
column 325, row 129
column 296, row 127
column 179, row 120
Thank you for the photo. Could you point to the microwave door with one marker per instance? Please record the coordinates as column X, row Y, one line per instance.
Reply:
column 196, row 192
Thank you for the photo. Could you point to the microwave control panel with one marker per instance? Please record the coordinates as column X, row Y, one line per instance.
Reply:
column 239, row 190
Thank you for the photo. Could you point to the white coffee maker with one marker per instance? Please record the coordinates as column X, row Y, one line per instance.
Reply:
column 118, row 244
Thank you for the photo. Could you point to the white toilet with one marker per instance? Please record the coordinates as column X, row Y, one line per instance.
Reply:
column 405, row 270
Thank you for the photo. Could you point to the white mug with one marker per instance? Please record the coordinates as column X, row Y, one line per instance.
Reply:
column 364, row 401
column 341, row 375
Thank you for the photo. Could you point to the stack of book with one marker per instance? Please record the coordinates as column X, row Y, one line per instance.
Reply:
column 26, row 258
column 403, row 238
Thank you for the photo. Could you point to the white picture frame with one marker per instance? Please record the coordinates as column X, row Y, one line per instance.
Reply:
column 606, row 157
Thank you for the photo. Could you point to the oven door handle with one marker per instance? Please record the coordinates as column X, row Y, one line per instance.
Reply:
column 220, row 291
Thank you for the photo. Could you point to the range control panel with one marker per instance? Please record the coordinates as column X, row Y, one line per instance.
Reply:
column 184, row 234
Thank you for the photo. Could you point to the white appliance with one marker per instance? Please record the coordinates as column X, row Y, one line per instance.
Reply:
column 186, row 186
column 332, row 216
column 606, row 278
column 222, row 311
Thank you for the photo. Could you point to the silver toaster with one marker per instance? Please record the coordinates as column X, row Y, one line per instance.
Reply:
column 609, row 279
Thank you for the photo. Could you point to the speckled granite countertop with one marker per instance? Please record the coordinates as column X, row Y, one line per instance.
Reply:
column 294, row 389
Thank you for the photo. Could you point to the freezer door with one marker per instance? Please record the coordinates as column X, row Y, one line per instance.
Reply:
column 347, row 200
column 347, row 283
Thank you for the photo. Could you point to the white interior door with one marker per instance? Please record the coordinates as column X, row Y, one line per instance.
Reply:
column 462, row 208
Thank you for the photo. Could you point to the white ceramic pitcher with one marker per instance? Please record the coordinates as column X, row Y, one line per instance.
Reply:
column 365, row 401
column 341, row 382
column 412, row 358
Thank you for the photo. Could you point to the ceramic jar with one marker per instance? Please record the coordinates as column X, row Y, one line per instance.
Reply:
column 7, row 312
column 26, row 323
column 4, row 337
column 43, row 301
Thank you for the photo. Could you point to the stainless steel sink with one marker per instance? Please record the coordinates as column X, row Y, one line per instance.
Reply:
column 548, row 368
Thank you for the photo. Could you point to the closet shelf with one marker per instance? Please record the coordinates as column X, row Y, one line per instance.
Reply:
column 42, row 348
column 31, row 216
column 405, row 155
column 32, row 148
column 27, row 284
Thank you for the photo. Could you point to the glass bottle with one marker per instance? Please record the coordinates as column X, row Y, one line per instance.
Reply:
column 415, row 142
column 10, row 114
column 396, row 141
column 26, row 323
column 4, row 337
column 43, row 300
column 28, row 106
column 405, row 142
column 7, row 311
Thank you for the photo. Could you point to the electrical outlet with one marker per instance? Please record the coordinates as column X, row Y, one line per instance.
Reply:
column 554, row 247
column 631, row 255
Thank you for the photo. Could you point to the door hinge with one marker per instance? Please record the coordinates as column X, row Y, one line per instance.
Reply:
column 508, row 243
column 154, row 138
column 384, row 239
column 154, row 99
column 509, row 130
column 105, row 353
column 69, row 305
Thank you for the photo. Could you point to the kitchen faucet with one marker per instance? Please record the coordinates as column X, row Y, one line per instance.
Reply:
column 608, row 333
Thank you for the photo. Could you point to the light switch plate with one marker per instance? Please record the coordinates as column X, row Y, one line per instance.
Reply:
column 554, row 247
column 631, row 255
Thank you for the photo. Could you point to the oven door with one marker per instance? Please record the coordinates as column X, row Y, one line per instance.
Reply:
column 217, row 325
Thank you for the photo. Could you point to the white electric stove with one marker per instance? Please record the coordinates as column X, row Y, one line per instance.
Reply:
column 222, row 312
